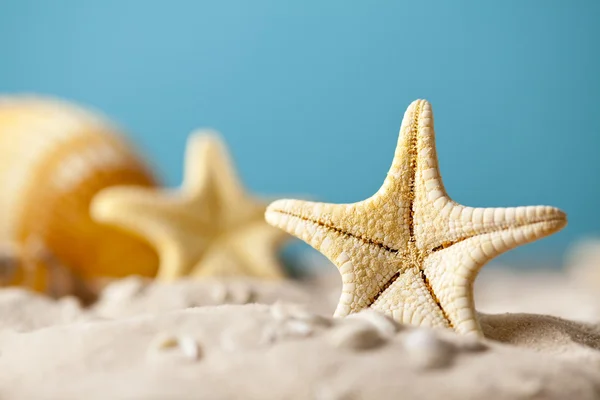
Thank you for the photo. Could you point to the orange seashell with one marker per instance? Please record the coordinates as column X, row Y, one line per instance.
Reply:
column 54, row 157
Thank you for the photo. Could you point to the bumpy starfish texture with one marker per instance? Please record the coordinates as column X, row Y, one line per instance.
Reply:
column 210, row 227
column 409, row 251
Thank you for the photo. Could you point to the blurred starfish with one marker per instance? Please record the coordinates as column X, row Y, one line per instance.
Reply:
column 209, row 227
column 409, row 251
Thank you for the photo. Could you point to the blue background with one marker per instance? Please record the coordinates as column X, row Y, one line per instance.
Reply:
column 310, row 96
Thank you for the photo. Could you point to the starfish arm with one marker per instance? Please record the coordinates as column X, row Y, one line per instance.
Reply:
column 450, row 284
column 390, row 210
column 207, row 159
column 439, row 221
column 366, row 266
column 212, row 182
column 217, row 261
column 256, row 248
column 134, row 209
column 200, row 150
column 452, row 223
column 251, row 251
column 386, row 217
column 387, row 214
column 414, row 140
column 150, row 214
column 451, row 271
column 174, row 262
column 429, row 196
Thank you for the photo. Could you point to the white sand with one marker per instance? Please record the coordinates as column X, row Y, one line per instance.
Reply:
column 145, row 340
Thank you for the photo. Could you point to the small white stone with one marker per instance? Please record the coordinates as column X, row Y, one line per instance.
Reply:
column 283, row 312
column 356, row 336
column 241, row 294
column 125, row 289
column 279, row 311
column 426, row 350
column 219, row 293
column 292, row 321
column 386, row 326
column 298, row 328
column 189, row 347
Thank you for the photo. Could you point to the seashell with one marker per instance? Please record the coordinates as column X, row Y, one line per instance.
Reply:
column 54, row 157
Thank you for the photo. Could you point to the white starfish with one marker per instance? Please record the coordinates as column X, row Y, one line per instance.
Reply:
column 409, row 251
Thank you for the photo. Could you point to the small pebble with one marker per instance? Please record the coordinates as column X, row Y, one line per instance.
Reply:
column 426, row 350
column 298, row 328
column 219, row 293
column 241, row 294
column 293, row 321
column 125, row 289
column 386, row 326
column 187, row 345
column 283, row 312
column 357, row 336
column 279, row 311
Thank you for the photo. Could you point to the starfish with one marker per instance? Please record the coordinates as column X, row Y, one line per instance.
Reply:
column 211, row 226
column 409, row 251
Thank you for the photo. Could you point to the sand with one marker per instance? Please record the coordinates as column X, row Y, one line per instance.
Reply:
column 251, row 339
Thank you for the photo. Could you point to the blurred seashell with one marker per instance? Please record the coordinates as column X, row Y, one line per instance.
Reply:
column 54, row 157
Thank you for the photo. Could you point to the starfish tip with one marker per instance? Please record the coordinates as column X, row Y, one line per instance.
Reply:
column 555, row 219
column 273, row 212
column 203, row 141
column 205, row 133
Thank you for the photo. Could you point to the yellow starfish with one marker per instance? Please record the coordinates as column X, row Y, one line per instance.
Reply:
column 409, row 251
column 210, row 227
